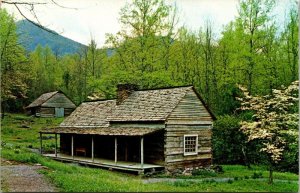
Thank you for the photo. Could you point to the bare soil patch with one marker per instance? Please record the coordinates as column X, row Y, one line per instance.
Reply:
column 19, row 177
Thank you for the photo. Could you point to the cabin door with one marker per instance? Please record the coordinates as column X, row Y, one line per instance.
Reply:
column 59, row 112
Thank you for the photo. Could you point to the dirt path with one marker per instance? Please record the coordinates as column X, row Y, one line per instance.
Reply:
column 17, row 177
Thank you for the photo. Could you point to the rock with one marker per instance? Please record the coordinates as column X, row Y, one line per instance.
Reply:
column 37, row 164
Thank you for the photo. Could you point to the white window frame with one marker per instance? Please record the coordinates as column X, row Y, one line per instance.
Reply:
column 196, row 149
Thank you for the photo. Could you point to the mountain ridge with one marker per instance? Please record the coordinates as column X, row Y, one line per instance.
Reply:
column 30, row 36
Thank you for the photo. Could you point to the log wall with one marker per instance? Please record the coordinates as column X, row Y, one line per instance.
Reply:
column 47, row 112
column 189, row 117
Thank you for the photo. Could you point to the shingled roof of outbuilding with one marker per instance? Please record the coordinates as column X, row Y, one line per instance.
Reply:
column 149, row 105
column 90, row 114
column 42, row 99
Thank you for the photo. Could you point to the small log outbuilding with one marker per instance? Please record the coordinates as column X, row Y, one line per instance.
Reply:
column 52, row 104
column 141, row 130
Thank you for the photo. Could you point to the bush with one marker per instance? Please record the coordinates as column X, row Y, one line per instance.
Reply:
column 228, row 140
column 290, row 158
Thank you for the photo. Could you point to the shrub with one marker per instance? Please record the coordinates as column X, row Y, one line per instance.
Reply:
column 227, row 140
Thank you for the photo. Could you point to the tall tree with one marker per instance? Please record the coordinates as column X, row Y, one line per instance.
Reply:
column 145, row 38
column 254, row 16
column 291, row 42
column 14, row 69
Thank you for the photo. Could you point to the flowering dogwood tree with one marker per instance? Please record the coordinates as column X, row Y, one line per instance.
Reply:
column 274, row 117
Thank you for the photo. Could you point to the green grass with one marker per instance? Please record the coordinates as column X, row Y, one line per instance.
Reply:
column 242, row 171
column 73, row 178
column 13, row 133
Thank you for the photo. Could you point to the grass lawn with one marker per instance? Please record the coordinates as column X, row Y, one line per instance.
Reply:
column 73, row 178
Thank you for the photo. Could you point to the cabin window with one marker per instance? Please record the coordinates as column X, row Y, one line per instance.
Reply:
column 190, row 144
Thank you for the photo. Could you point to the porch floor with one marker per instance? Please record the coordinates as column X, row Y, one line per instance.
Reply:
column 106, row 163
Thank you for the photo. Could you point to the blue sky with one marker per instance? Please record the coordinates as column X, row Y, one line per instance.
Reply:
column 97, row 17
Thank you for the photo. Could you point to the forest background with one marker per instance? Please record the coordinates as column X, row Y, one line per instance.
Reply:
column 253, row 50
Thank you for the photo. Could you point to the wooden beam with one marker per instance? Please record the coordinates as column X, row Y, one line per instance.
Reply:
column 72, row 146
column 126, row 151
column 55, row 144
column 92, row 148
column 116, row 150
column 142, row 152
column 41, row 142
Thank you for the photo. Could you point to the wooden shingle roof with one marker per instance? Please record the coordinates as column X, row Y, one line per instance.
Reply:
column 149, row 105
column 90, row 114
column 145, row 105
column 119, row 131
column 41, row 99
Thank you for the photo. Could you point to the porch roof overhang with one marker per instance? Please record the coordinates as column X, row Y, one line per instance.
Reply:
column 111, row 131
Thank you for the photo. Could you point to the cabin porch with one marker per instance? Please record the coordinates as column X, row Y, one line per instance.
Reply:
column 139, row 154
column 106, row 163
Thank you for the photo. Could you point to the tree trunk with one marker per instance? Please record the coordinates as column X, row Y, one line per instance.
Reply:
column 246, row 161
column 271, row 175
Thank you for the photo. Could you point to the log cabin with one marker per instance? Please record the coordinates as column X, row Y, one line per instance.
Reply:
column 141, row 130
column 51, row 104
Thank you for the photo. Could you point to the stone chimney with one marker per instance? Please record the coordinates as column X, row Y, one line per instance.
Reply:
column 124, row 90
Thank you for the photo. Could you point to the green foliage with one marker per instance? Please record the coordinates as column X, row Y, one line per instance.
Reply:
column 228, row 140
column 151, row 52
column 14, row 72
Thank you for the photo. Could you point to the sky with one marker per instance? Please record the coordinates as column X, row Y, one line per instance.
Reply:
column 84, row 19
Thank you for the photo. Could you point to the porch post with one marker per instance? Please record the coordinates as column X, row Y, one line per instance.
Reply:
column 116, row 150
column 55, row 144
column 142, row 151
column 92, row 148
column 41, row 143
column 72, row 146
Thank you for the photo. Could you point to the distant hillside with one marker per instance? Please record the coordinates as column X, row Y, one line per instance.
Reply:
column 30, row 36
